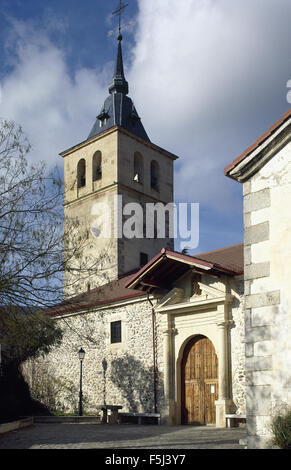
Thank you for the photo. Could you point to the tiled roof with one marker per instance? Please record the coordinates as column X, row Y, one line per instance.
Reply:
column 111, row 292
column 167, row 266
column 227, row 260
column 230, row 257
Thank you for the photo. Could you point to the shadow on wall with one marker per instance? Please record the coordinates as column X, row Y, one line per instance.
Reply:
column 136, row 383
column 268, row 371
column 56, row 393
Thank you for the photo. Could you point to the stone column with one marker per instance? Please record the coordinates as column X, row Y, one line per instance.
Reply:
column 166, row 341
column 165, row 413
column 223, row 404
column 168, row 412
column 223, row 361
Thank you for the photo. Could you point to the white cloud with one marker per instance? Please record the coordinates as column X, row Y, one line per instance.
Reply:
column 55, row 109
column 202, row 74
column 210, row 70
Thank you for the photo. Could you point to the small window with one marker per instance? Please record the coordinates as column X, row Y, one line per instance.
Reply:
column 143, row 257
column 116, row 332
column 103, row 116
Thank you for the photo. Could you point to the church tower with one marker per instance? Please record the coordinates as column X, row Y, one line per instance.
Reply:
column 115, row 166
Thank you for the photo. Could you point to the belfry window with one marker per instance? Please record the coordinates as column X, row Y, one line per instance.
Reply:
column 155, row 175
column 138, row 168
column 81, row 173
column 97, row 166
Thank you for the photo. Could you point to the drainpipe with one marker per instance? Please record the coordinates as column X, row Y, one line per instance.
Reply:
column 154, row 354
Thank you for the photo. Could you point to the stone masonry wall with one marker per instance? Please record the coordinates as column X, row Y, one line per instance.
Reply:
column 122, row 373
column 119, row 374
column 267, row 201
column 237, row 346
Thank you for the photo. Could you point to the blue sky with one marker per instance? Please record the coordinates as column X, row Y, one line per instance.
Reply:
column 79, row 28
column 207, row 77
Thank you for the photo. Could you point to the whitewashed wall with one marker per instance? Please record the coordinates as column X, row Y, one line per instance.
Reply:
column 267, row 202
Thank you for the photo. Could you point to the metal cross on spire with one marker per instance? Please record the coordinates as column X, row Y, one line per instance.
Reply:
column 119, row 12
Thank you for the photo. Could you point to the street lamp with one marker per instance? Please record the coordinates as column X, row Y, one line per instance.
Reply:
column 81, row 355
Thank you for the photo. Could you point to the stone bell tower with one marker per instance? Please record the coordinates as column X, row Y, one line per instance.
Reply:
column 117, row 159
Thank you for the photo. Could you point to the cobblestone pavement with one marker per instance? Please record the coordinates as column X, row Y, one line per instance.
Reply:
column 97, row 436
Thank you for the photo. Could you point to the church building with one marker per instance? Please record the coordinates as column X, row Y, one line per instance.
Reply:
column 162, row 331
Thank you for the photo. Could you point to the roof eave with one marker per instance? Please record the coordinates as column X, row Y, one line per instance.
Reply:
column 193, row 263
column 77, row 308
column 255, row 156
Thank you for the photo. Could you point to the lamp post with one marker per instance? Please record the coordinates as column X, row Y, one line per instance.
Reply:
column 81, row 355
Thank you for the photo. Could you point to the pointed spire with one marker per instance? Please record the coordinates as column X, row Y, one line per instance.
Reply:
column 119, row 84
column 118, row 109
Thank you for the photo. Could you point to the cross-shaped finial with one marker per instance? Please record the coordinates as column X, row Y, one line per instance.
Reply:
column 118, row 12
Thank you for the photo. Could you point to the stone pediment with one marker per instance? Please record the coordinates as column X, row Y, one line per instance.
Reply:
column 202, row 291
column 173, row 297
column 203, row 296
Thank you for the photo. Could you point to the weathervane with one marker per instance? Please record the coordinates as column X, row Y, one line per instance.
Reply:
column 119, row 12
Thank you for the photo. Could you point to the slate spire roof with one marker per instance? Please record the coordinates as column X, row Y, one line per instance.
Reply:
column 119, row 84
column 118, row 108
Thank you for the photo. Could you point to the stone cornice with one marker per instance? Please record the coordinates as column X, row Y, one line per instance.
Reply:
column 108, row 306
column 83, row 144
column 123, row 131
column 193, row 306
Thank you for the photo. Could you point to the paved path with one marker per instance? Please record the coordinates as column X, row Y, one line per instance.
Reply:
column 97, row 436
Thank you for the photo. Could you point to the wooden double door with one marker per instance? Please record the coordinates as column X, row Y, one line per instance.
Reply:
column 199, row 382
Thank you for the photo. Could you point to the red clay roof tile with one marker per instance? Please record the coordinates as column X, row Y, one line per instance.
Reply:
column 228, row 259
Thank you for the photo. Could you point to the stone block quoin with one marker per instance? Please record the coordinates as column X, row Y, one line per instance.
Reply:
column 257, row 200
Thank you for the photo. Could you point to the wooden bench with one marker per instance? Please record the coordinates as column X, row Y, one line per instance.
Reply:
column 233, row 420
column 111, row 418
column 139, row 418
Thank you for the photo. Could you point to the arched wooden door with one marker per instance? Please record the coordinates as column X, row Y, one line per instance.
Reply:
column 199, row 382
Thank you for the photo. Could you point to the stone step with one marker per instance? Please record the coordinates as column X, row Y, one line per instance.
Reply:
column 67, row 419
column 18, row 424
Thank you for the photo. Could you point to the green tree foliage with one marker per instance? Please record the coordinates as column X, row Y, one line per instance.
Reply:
column 281, row 428
column 26, row 336
column 36, row 249
column 22, row 337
